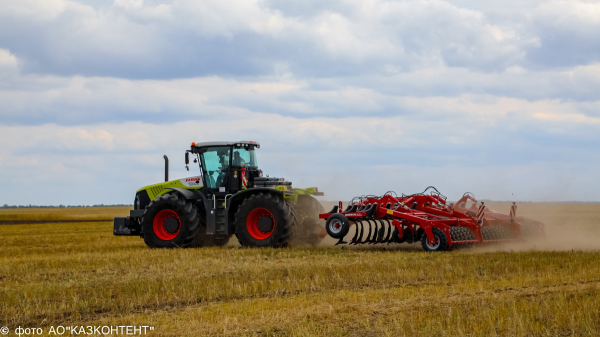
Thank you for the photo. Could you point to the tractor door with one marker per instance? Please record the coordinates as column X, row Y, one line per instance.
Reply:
column 216, row 165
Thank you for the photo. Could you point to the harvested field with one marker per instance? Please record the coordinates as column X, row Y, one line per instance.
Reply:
column 79, row 274
column 36, row 215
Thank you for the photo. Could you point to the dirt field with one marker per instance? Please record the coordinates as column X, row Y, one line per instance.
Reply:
column 79, row 274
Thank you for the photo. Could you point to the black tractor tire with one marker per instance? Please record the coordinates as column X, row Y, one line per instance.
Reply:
column 170, row 221
column 309, row 226
column 461, row 234
column 264, row 220
column 337, row 226
column 441, row 241
column 201, row 239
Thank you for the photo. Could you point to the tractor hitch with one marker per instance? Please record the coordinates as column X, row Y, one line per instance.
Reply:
column 124, row 225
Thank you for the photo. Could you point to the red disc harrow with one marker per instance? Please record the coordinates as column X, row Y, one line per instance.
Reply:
column 428, row 218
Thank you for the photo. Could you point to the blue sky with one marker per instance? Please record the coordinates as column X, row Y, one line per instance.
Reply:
column 497, row 98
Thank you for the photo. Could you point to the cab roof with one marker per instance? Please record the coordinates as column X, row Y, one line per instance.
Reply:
column 241, row 142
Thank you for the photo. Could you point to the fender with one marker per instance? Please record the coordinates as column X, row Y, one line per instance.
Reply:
column 238, row 195
column 186, row 194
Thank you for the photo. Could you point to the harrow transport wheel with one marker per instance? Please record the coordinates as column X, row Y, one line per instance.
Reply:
column 170, row 221
column 440, row 244
column 337, row 226
column 264, row 220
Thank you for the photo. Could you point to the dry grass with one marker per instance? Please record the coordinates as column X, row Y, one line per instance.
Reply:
column 54, row 214
column 78, row 273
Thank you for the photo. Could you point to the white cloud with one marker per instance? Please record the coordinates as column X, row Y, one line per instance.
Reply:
column 135, row 38
column 44, row 10
column 343, row 157
column 128, row 4
column 364, row 91
column 8, row 63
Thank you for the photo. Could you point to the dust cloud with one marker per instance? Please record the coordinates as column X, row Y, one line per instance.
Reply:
column 568, row 226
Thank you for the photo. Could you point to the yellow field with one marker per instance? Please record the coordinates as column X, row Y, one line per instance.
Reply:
column 54, row 214
column 79, row 274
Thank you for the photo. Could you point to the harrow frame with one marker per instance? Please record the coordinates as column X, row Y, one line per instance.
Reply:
column 410, row 217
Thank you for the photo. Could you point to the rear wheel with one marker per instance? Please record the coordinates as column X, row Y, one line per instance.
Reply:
column 440, row 241
column 264, row 220
column 170, row 221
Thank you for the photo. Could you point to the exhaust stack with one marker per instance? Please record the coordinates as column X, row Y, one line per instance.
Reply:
column 166, row 167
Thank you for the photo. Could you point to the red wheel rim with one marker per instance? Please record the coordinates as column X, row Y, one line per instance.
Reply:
column 159, row 224
column 252, row 223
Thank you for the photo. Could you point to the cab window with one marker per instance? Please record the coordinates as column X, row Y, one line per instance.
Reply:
column 216, row 162
column 243, row 157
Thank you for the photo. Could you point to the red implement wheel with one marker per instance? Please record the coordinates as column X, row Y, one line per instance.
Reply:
column 337, row 226
column 166, row 224
column 439, row 244
column 260, row 223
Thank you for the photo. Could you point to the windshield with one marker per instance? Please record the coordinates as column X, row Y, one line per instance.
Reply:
column 216, row 161
column 244, row 157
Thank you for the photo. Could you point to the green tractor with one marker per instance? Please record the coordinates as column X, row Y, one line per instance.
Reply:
column 230, row 196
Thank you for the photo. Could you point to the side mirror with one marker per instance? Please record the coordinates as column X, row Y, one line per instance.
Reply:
column 187, row 158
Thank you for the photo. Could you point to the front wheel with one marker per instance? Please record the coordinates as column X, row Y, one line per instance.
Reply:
column 264, row 220
column 440, row 242
column 170, row 221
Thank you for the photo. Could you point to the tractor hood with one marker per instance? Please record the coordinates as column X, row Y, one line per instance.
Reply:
column 156, row 190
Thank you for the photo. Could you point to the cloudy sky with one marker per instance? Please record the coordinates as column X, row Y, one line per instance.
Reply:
column 499, row 98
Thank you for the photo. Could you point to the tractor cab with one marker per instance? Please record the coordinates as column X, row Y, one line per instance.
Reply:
column 226, row 167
